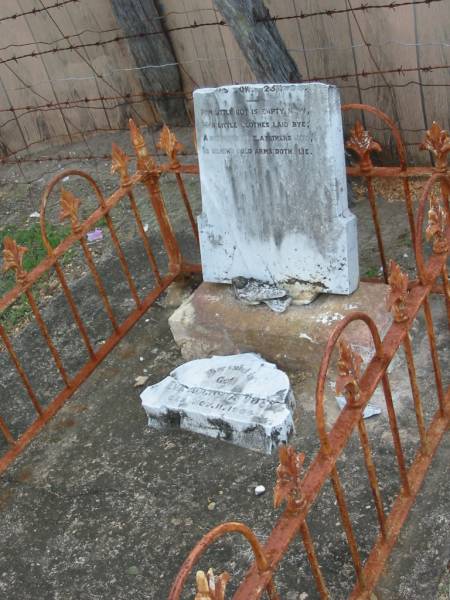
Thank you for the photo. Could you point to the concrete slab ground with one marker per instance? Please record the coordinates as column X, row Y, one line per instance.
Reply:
column 100, row 506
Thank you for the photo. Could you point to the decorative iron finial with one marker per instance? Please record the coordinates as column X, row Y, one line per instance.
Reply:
column 169, row 144
column 210, row 587
column 288, row 486
column 349, row 368
column 70, row 206
column 145, row 162
column 437, row 223
column 13, row 258
column 396, row 300
column 119, row 164
column 362, row 143
column 437, row 141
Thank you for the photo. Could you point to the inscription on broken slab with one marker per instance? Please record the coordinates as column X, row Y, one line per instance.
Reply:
column 242, row 399
column 273, row 185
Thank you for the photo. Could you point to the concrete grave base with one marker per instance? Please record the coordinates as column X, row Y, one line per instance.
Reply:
column 213, row 322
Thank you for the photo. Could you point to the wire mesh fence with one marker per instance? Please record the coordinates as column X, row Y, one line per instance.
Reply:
column 66, row 70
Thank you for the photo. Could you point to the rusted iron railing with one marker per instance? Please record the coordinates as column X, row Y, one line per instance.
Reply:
column 405, row 300
column 299, row 491
column 148, row 174
column 362, row 145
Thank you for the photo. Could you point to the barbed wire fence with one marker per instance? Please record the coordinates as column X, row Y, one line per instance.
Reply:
column 17, row 60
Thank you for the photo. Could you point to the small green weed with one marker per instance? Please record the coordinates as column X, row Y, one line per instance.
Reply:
column 31, row 238
column 101, row 223
column 372, row 272
column 405, row 238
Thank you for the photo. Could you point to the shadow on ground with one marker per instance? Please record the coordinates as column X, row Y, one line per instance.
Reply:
column 100, row 506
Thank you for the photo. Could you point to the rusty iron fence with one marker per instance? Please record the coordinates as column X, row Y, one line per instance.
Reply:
column 405, row 300
column 362, row 145
column 148, row 173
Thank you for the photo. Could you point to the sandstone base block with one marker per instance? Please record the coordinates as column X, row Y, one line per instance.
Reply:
column 213, row 322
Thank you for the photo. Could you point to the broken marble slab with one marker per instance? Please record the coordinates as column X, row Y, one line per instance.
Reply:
column 370, row 410
column 242, row 399
column 254, row 292
column 277, row 298
column 279, row 305
column 302, row 293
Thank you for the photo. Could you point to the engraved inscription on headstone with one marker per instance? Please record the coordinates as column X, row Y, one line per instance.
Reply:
column 242, row 399
column 273, row 185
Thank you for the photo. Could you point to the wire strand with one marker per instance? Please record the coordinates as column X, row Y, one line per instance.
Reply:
column 364, row 6
column 35, row 11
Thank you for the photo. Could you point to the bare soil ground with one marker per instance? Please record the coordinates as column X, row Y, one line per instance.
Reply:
column 99, row 506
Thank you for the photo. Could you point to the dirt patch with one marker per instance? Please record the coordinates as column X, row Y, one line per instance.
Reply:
column 101, row 506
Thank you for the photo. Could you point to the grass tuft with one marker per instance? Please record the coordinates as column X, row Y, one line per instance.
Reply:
column 20, row 311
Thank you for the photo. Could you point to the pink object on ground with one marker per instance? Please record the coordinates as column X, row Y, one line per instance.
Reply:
column 95, row 235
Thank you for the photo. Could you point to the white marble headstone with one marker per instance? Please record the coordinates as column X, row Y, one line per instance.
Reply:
column 242, row 399
column 273, row 186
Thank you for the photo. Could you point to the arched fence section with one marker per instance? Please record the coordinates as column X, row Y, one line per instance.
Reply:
column 147, row 174
column 428, row 223
column 298, row 490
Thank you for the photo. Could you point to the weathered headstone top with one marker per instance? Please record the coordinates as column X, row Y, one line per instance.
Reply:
column 242, row 399
column 273, row 185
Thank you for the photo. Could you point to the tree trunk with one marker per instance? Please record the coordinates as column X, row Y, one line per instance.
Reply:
column 136, row 16
column 259, row 40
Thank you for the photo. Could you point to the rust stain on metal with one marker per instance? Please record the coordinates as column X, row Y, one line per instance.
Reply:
column 150, row 177
column 119, row 164
column 398, row 293
column 288, row 487
column 261, row 561
column 210, row 587
column 437, row 141
column 437, row 222
column 349, row 369
column 148, row 173
column 358, row 386
column 13, row 258
column 297, row 491
column 169, row 144
column 145, row 162
column 70, row 205
column 362, row 144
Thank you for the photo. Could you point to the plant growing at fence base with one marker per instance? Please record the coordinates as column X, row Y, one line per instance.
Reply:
column 30, row 237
